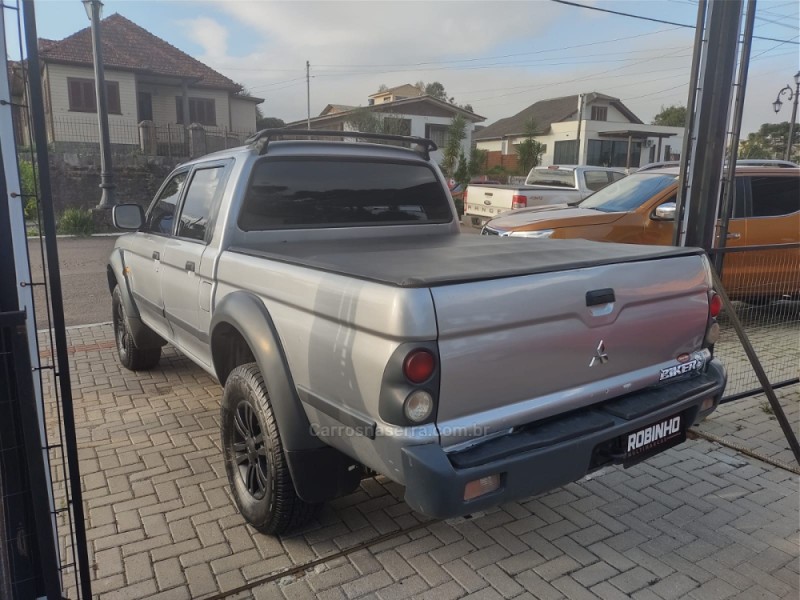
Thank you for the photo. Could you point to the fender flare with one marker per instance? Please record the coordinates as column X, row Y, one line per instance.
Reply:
column 143, row 336
column 319, row 471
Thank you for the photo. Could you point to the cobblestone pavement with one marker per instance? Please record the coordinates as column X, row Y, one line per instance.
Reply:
column 700, row 521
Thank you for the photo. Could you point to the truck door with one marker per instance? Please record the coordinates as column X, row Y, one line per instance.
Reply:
column 188, row 262
column 144, row 259
column 772, row 218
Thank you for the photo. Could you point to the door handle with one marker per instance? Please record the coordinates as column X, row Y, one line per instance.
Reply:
column 156, row 255
column 190, row 266
column 733, row 236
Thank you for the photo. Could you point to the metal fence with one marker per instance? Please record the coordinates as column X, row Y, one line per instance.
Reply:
column 75, row 132
column 764, row 284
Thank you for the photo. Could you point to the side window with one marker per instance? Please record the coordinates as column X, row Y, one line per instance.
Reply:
column 739, row 195
column 596, row 180
column 775, row 196
column 162, row 211
column 617, row 176
column 197, row 205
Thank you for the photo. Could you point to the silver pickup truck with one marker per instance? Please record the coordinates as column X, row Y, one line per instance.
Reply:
column 328, row 288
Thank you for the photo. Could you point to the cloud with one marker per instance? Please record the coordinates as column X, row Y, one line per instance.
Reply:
column 498, row 56
column 208, row 34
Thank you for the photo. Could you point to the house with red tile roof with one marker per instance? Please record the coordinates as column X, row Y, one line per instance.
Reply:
column 147, row 79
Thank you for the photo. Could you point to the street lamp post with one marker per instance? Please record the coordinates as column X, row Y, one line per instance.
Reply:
column 93, row 10
column 791, row 96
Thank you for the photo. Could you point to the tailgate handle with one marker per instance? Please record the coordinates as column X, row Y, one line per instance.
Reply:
column 595, row 297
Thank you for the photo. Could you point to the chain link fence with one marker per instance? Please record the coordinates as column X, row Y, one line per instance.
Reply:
column 764, row 284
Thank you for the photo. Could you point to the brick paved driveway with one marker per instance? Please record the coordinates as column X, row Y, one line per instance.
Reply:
column 700, row 521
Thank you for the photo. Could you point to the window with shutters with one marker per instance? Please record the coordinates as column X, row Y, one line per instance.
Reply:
column 82, row 96
column 201, row 110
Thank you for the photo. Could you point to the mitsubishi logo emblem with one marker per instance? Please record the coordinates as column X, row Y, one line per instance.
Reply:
column 600, row 355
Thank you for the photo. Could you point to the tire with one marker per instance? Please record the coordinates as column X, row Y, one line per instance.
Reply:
column 254, row 458
column 130, row 356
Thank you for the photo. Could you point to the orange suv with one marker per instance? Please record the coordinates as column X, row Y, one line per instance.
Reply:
column 640, row 209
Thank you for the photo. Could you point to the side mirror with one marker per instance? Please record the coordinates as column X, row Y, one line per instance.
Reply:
column 665, row 212
column 129, row 217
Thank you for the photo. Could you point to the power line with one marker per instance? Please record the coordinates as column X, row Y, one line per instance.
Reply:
column 653, row 19
column 559, row 49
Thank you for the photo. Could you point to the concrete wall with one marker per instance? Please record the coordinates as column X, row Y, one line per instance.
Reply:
column 75, row 179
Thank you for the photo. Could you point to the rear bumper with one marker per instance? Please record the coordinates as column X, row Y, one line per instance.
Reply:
column 553, row 454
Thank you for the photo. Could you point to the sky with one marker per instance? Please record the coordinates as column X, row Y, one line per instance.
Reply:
column 498, row 56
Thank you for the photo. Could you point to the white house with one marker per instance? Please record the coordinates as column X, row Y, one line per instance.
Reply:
column 147, row 79
column 587, row 129
column 420, row 115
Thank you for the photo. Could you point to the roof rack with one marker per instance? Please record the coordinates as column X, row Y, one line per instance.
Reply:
column 260, row 140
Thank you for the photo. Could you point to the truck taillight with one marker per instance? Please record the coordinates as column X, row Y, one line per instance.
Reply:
column 712, row 328
column 714, row 305
column 464, row 201
column 419, row 365
column 519, row 201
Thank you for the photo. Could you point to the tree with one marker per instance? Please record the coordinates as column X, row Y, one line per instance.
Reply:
column 462, row 171
column 770, row 142
column 436, row 90
column 269, row 123
column 363, row 119
column 383, row 88
column 477, row 161
column 674, row 116
column 529, row 151
column 452, row 150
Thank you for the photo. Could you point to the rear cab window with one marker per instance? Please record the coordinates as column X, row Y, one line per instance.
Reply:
column 552, row 176
column 287, row 193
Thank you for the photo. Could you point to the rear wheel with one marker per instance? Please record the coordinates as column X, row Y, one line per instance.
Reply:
column 254, row 458
column 130, row 356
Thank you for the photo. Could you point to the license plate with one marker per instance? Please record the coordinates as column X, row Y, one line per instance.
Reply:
column 652, row 439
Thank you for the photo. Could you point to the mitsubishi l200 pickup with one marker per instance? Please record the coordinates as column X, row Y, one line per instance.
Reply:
column 327, row 287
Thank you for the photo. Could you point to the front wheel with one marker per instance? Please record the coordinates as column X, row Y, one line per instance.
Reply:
column 254, row 458
column 130, row 356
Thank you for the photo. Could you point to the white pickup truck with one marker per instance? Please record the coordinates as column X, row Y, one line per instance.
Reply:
column 544, row 185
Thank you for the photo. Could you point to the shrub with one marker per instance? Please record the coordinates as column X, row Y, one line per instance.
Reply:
column 76, row 221
column 27, row 179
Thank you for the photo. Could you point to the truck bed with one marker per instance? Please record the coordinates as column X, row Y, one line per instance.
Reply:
column 429, row 261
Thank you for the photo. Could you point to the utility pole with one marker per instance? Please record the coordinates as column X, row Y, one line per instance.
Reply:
column 701, row 179
column 93, row 8
column 308, row 94
column 578, row 137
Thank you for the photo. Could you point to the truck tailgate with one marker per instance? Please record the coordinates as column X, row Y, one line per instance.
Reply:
column 530, row 341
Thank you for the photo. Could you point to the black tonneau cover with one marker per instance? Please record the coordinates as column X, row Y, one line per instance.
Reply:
column 427, row 261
